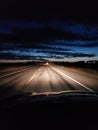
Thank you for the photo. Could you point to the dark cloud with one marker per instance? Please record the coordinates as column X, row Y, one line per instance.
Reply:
column 42, row 35
column 41, row 54
column 43, row 31
column 82, row 55
column 63, row 55
column 56, row 40
column 54, row 50
column 50, row 32
column 11, row 56
column 75, row 43
column 23, row 45
column 90, row 45
column 87, row 45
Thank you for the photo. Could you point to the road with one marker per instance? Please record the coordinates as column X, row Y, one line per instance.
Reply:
column 45, row 78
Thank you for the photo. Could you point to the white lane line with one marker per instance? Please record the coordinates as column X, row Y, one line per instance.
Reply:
column 3, row 76
column 74, row 80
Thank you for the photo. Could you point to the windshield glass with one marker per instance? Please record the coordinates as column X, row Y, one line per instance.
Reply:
column 48, row 47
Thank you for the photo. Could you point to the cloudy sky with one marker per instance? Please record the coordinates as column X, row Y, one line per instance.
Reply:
column 48, row 29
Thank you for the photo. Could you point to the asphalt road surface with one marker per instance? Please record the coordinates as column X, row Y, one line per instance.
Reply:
column 45, row 78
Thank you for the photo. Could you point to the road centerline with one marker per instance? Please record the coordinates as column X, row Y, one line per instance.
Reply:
column 33, row 76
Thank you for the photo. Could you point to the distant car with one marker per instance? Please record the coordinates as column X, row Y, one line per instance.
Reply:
column 46, row 63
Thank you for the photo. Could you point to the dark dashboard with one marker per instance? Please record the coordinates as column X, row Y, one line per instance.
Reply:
column 77, row 110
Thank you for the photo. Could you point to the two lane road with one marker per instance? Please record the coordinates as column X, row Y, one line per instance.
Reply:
column 46, row 78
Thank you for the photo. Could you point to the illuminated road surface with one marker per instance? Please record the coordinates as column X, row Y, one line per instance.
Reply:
column 45, row 78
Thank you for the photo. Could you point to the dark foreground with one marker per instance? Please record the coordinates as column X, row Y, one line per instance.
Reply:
column 71, row 111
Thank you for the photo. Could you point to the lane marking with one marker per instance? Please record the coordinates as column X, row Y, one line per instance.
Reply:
column 73, row 80
column 31, row 79
column 34, row 76
column 3, row 76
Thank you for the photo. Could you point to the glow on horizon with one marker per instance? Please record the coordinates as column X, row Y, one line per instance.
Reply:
column 51, row 60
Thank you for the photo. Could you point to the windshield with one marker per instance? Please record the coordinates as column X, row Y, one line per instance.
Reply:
column 48, row 47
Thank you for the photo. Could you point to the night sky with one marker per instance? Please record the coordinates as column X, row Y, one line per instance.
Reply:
column 48, row 30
